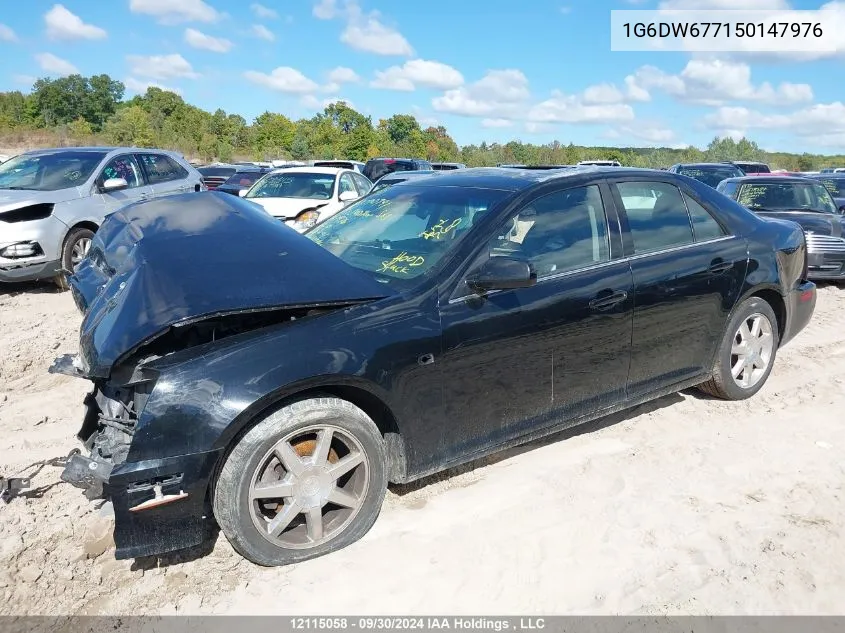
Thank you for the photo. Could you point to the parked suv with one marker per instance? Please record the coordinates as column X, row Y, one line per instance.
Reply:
column 378, row 167
column 53, row 200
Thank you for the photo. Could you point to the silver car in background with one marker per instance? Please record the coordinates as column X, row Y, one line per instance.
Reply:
column 53, row 200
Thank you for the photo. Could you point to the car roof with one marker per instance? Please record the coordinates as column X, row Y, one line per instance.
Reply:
column 312, row 170
column 516, row 179
column 769, row 180
column 726, row 164
column 50, row 150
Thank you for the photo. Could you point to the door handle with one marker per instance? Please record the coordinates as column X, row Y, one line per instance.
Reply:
column 144, row 196
column 718, row 266
column 603, row 303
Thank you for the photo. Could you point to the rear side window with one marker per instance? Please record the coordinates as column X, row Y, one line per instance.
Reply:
column 161, row 168
column 657, row 215
column 704, row 225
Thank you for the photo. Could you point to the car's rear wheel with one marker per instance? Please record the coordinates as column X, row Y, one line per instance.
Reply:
column 305, row 481
column 75, row 248
column 747, row 352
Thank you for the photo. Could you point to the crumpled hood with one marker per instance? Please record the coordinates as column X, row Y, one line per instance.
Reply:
column 11, row 199
column 287, row 208
column 181, row 258
column 818, row 223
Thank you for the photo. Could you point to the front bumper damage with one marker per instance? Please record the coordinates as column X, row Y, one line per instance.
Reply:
column 160, row 505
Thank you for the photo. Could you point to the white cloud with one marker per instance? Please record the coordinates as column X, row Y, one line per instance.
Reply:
column 715, row 81
column 369, row 34
column 821, row 124
column 176, row 11
column 499, row 94
column 262, row 32
column 325, row 9
column 200, row 40
column 55, row 65
column 650, row 133
column 603, row 93
column 263, row 12
column 562, row 108
column 339, row 76
column 136, row 86
column 283, row 79
column 343, row 75
column 64, row 25
column 26, row 80
column 496, row 123
column 160, row 66
column 312, row 102
column 7, row 34
column 418, row 72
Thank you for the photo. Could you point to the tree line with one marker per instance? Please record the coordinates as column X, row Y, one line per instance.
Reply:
column 77, row 110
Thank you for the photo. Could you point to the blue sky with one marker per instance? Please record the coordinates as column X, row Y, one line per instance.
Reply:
column 495, row 70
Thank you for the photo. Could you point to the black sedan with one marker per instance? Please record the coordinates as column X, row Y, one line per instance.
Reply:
column 710, row 174
column 276, row 382
column 802, row 200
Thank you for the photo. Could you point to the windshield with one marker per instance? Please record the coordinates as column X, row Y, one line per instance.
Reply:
column 243, row 178
column 400, row 233
column 49, row 172
column 836, row 186
column 375, row 169
column 787, row 196
column 313, row 186
column 710, row 175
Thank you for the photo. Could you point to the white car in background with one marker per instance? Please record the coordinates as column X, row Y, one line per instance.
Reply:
column 303, row 196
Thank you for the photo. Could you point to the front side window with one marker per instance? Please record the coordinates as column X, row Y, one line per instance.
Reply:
column 362, row 184
column 786, row 196
column 657, row 215
column 559, row 232
column 400, row 233
column 49, row 171
column 122, row 167
column 161, row 168
column 297, row 184
column 346, row 184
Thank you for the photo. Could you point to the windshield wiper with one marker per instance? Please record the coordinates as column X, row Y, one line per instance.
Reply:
column 13, row 187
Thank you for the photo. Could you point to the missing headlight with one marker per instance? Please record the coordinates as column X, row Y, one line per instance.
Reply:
column 28, row 214
column 22, row 249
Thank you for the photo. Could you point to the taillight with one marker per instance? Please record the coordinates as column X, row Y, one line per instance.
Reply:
column 805, row 269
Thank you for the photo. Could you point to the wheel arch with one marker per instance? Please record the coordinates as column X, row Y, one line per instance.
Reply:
column 771, row 295
column 361, row 395
column 85, row 224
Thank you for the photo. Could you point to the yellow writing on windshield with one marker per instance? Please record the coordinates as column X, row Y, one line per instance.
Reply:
column 441, row 229
column 400, row 263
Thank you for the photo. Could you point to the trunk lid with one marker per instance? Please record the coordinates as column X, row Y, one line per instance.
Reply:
column 187, row 257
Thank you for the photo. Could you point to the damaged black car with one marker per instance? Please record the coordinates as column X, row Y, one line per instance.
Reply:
column 274, row 383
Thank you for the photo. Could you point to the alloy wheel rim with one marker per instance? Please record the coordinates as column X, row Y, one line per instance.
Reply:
column 80, row 250
column 752, row 350
column 308, row 487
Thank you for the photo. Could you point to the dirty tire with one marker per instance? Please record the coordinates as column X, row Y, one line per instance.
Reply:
column 73, row 237
column 722, row 385
column 235, row 513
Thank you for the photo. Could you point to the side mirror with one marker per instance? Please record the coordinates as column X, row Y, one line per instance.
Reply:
column 242, row 193
column 502, row 273
column 842, row 209
column 348, row 196
column 114, row 184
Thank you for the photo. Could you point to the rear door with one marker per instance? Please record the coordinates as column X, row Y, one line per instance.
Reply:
column 164, row 174
column 687, row 271
column 122, row 166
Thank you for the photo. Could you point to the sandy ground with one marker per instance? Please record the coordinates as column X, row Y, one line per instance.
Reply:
column 684, row 506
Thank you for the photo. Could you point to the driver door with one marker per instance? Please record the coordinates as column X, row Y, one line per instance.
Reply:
column 514, row 361
column 123, row 166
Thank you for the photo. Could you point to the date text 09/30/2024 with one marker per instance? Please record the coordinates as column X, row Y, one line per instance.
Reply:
column 417, row 623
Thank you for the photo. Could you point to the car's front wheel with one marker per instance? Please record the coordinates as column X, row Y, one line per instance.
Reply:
column 307, row 480
column 75, row 248
column 747, row 352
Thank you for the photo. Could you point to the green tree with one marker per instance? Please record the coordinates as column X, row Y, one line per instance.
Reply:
column 130, row 126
